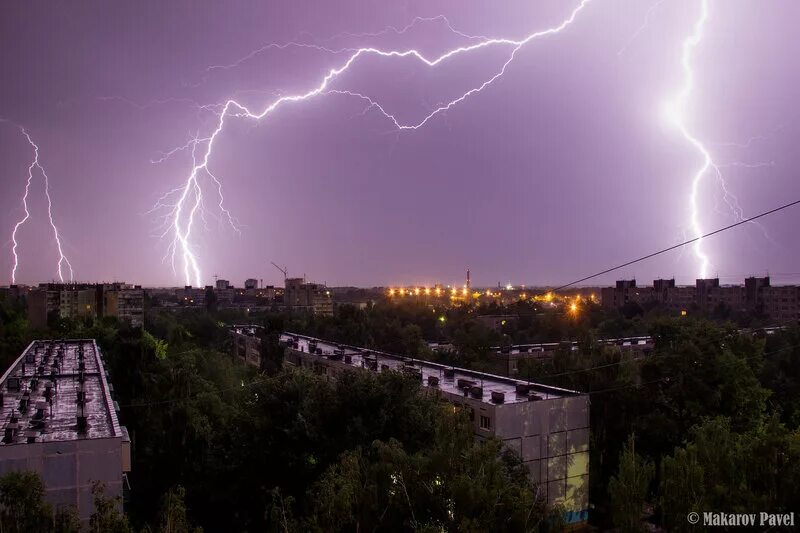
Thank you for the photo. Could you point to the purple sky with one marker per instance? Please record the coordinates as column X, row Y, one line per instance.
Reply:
column 564, row 166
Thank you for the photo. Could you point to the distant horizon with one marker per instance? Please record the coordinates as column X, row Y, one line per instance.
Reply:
column 648, row 282
column 546, row 160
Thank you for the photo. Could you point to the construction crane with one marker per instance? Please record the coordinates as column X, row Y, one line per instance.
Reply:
column 284, row 270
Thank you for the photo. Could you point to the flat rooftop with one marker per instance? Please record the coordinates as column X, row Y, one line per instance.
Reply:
column 246, row 329
column 448, row 376
column 623, row 342
column 57, row 391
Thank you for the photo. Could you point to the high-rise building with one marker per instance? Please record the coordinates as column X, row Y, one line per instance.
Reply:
column 126, row 304
column 314, row 297
column 85, row 300
column 60, row 421
column 754, row 293
column 250, row 283
column 757, row 295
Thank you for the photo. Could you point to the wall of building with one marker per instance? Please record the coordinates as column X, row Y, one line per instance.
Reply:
column 69, row 468
column 551, row 436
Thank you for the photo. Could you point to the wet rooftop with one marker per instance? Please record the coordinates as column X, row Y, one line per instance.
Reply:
column 57, row 391
column 450, row 379
column 623, row 342
column 246, row 329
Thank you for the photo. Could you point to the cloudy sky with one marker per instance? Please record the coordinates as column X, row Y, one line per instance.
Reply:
column 565, row 165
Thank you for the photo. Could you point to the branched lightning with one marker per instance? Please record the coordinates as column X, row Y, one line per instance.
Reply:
column 677, row 111
column 642, row 27
column 416, row 21
column 181, row 214
column 36, row 165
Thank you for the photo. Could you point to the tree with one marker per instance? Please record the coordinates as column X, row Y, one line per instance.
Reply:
column 173, row 517
column 106, row 517
column 682, row 488
column 629, row 489
column 22, row 505
column 454, row 484
column 67, row 520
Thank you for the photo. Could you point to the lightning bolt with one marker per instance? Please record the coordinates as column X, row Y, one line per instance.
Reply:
column 676, row 112
column 36, row 165
column 189, row 195
column 416, row 21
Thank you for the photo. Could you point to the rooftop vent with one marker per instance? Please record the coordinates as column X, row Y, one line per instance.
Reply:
column 465, row 383
column 81, row 420
column 476, row 392
column 13, row 384
column 348, row 359
column 523, row 388
column 433, row 381
column 10, row 432
column 533, row 397
column 498, row 397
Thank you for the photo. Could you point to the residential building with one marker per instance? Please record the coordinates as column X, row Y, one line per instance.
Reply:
column 754, row 293
column 85, row 300
column 757, row 295
column 782, row 303
column 126, row 304
column 505, row 359
column 60, row 421
column 313, row 297
column 191, row 296
column 246, row 343
column 547, row 426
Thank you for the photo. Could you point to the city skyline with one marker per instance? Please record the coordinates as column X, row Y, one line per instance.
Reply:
column 504, row 182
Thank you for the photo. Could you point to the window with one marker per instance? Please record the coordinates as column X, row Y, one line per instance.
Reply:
column 486, row 422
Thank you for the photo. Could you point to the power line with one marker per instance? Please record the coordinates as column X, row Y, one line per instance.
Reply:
column 679, row 245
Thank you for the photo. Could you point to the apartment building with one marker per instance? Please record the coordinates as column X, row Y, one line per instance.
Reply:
column 547, row 426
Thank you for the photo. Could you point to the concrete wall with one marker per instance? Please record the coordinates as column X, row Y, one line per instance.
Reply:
column 68, row 469
column 551, row 436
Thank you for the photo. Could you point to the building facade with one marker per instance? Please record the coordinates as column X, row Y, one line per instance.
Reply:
column 246, row 344
column 85, row 300
column 301, row 296
column 547, row 426
column 757, row 295
column 60, row 421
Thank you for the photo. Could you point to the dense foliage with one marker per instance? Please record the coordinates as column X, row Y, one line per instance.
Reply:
column 708, row 421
